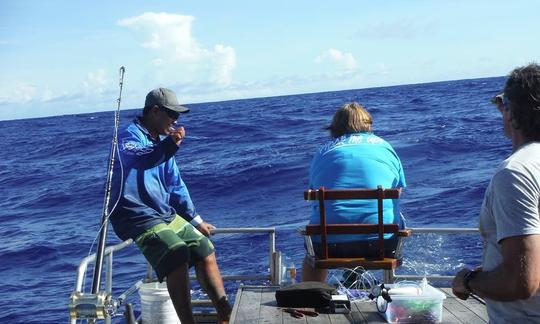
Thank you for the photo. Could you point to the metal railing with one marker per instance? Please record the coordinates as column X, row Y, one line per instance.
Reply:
column 105, row 306
column 102, row 305
column 83, row 266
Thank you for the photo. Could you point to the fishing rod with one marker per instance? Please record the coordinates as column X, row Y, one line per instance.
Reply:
column 96, row 282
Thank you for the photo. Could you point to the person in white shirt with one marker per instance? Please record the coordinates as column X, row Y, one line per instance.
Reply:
column 509, row 277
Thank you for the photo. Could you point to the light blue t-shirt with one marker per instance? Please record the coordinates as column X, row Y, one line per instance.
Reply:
column 359, row 160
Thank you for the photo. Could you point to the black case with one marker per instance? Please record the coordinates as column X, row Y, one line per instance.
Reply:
column 306, row 294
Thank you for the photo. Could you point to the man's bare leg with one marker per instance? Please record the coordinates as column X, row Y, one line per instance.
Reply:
column 210, row 280
column 178, row 286
column 313, row 274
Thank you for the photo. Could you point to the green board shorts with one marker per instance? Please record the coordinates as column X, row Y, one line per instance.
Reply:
column 168, row 246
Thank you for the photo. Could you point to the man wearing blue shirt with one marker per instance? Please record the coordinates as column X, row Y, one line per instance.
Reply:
column 155, row 209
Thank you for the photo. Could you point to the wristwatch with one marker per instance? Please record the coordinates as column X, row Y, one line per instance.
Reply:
column 467, row 278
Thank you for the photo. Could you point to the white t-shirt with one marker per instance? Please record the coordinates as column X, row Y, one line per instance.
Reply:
column 511, row 208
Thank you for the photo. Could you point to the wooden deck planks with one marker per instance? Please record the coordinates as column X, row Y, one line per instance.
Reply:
column 250, row 299
column 356, row 315
column 448, row 317
column 342, row 318
column 256, row 304
column 473, row 304
column 269, row 313
column 369, row 312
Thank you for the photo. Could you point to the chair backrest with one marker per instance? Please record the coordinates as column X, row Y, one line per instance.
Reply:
column 324, row 229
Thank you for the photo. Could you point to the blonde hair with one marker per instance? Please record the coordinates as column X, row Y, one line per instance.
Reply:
column 350, row 118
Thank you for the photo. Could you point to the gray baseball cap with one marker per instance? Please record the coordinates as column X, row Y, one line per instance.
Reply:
column 166, row 98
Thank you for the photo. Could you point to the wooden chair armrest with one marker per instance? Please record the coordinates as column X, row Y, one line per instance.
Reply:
column 405, row 232
column 337, row 194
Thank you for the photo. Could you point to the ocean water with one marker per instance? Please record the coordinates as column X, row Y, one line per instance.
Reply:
column 246, row 164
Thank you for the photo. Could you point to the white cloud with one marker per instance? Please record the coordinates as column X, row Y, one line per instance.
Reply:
column 48, row 95
column 18, row 93
column 21, row 93
column 165, row 32
column 343, row 60
column 170, row 37
column 96, row 82
column 224, row 64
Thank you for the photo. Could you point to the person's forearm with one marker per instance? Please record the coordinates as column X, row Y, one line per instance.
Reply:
column 498, row 284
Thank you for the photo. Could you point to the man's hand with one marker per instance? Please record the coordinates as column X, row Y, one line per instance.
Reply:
column 177, row 134
column 205, row 228
column 458, row 286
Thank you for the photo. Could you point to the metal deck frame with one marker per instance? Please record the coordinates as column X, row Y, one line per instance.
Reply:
column 108, row 307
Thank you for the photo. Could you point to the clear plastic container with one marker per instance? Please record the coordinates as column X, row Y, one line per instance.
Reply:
column 425, row 307
column 288, row 272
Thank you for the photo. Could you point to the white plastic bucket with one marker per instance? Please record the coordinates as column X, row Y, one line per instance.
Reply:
column 156, row 305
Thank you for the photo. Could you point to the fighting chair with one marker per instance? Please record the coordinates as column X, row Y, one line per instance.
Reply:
column 381, row 262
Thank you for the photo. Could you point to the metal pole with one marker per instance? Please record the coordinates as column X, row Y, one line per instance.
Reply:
column 108, row 280
column 96, row 282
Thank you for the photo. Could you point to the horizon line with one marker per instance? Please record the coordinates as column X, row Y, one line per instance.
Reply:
column 262, row 97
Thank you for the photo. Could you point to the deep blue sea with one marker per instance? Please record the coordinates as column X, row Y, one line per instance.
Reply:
column 246, row 164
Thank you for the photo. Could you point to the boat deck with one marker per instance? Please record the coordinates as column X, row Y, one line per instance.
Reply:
column 257, row 304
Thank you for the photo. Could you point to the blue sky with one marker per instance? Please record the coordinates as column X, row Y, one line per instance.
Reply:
column 62, row 57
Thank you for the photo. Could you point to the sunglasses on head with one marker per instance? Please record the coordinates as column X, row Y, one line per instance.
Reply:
column 171, row 113
column 497, row 99
column 505, row 102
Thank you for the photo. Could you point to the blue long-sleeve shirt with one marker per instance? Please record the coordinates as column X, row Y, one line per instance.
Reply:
column 150, row 187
